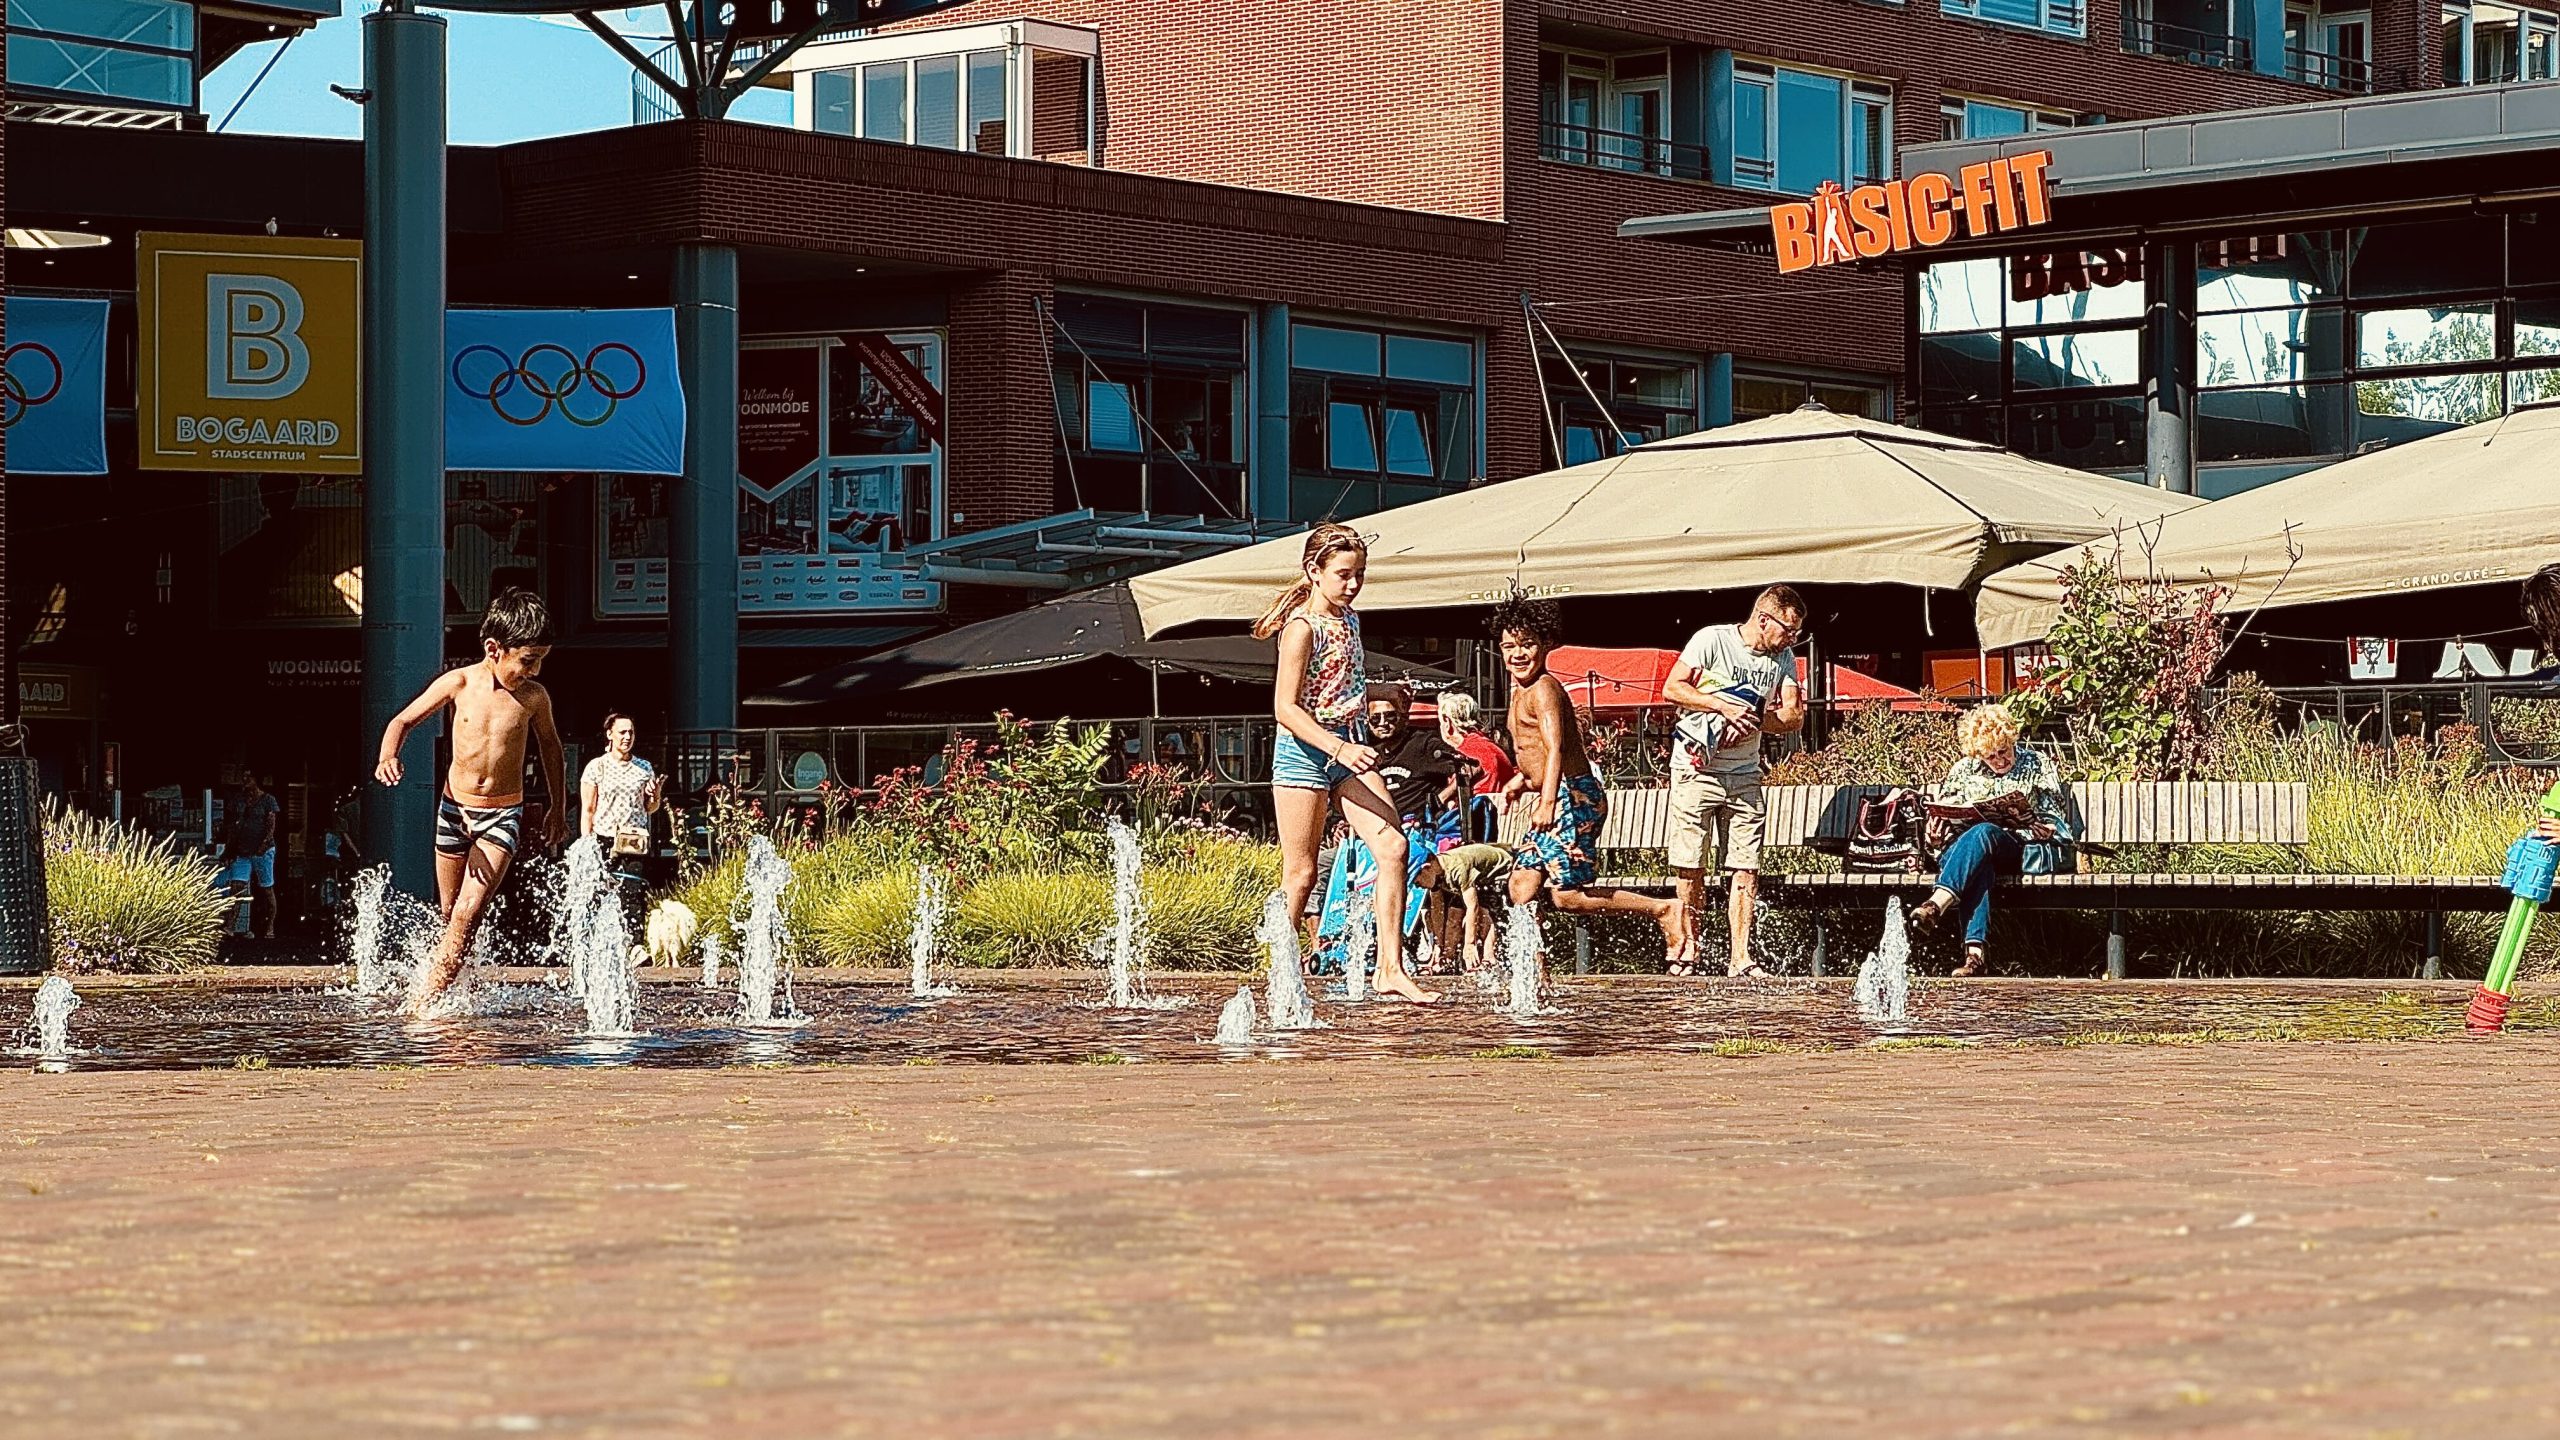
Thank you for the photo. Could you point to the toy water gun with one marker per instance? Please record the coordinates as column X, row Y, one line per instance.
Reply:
column 2531, row 867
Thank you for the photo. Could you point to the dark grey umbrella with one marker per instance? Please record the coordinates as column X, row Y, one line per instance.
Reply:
column 1100, row 624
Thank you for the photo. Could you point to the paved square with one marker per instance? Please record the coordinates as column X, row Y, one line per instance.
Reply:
column 2241, row 1240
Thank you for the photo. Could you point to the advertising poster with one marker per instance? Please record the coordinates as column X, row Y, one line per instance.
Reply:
column 839, row 472
column 247, row 351
column 563, row 391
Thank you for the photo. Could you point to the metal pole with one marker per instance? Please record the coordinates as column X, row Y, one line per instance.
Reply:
column 2168, row 391
column 404, row 184
column 702, row 561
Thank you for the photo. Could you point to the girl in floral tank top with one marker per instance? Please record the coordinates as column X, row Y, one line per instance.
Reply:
column 1337, row 684
column 1319, row 760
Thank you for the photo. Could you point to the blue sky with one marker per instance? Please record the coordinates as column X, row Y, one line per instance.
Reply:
column 511, row 78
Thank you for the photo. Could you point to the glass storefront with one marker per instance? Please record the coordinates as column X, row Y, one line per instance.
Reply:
column 2310, row 346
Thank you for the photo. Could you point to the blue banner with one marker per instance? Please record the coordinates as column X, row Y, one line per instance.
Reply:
column 54, row 405
column 588, row 390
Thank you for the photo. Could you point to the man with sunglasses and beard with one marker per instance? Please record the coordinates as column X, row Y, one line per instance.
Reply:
column 1733, row 684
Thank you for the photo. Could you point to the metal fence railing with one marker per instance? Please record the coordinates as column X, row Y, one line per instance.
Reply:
column 2180, row 42
column 1604, row 149
column 2333, row 72
column 1223, row 762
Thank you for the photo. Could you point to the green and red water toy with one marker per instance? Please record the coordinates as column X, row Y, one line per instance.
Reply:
column 2531, row 867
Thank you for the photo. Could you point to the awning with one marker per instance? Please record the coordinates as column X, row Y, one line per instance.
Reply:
column 1100, row 624
column 2473, row 506
column 1079, row 548
column 2266, row 170
column 1806, row 497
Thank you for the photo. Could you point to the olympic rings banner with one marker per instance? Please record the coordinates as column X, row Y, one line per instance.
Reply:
column 53, row 400
column 583, row 390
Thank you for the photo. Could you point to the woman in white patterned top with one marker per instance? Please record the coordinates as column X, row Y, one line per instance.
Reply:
column 618, row 791
column 616, row 796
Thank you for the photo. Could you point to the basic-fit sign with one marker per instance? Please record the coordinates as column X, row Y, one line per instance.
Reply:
column 248, row 353
column 1989, row 196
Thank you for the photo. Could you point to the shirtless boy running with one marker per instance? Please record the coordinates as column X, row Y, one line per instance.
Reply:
column 480, row 814
column 1564, row 830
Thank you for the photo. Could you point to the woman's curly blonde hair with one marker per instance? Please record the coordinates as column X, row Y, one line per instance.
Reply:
column 1986, row 729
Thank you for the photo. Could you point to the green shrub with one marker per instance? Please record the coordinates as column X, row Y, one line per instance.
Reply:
column 860, row 921
column 1202, row 912
column 1030, row 917
column 123, row 902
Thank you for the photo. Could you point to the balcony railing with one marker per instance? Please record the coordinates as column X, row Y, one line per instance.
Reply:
column 2180, row 42
column 2331, row 72
column 1621, row 150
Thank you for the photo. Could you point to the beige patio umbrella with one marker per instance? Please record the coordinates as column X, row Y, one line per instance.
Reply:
column 1807, row 497
column 2462, row 507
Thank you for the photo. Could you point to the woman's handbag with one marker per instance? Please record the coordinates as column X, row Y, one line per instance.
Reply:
column 630, row 842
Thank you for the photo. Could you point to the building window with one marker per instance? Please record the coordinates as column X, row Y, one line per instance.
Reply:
column 1759, row 394
column 1151, row 407
column 2060, row 17
column 2491, row 44
column 1377, row 419
column 1611, row 113
column 132, row 51
column 1648, row 399
column 2331, row 51
column 1961, row 118
column 1795, row 129
column 2198, row 32
column 1021, row 88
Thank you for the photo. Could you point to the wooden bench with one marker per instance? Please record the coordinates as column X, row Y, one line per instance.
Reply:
column 2162, row 813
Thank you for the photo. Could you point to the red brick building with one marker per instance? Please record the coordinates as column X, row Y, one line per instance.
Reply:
column 1178, row 274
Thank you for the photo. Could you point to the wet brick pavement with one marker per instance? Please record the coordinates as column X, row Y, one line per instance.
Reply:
column 2234, row 1240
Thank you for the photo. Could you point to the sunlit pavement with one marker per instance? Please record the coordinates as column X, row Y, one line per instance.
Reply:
column 2238, row 1239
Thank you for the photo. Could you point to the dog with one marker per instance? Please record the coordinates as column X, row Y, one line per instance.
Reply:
column 672, row 925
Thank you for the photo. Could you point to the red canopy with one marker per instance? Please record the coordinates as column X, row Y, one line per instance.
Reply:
column 1597, row 679
column 1601, row 679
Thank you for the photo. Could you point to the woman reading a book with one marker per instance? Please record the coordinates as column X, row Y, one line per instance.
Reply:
column 2009, row 801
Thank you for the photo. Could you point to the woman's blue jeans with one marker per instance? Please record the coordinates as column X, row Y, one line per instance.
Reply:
column 1980, row 855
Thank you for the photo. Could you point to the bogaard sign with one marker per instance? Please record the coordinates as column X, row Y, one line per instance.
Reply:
column 248, row 353
column 1989, row 196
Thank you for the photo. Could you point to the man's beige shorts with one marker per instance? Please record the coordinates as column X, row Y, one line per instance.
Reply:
column 1714, row 816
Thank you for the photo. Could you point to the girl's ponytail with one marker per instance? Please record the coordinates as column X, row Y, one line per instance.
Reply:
column 1283, row 608
column 1322, row 543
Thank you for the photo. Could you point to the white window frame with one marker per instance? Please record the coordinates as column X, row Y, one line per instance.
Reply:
column 2055, row 17
column 1955, row 110
column 1606, row 146
column 1762, row 75
column 1019, row 39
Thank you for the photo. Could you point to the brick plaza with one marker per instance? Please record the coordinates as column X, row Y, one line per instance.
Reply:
column 2241, row 1240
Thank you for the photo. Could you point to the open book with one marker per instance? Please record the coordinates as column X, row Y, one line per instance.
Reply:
column 2013, row 811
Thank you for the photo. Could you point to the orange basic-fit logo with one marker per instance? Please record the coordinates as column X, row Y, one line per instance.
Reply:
column 1833, row 228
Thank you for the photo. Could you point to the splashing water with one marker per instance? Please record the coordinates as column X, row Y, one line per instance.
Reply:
column 49, row 1029
column 1123, row 951
column 592, row 939
column 388, row 938
column 573, row 926
column 1290, row 1006
column 1524, row 957
column 1359, row 940
column 712, row 953
column 1235, row 1020
column 1426, row 952
column 764, row 940
column 924, row 939
column 1884, row 981
column 1128, row 915
column 612, row 988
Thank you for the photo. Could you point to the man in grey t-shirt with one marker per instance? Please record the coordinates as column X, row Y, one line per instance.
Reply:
column 1733, row 684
